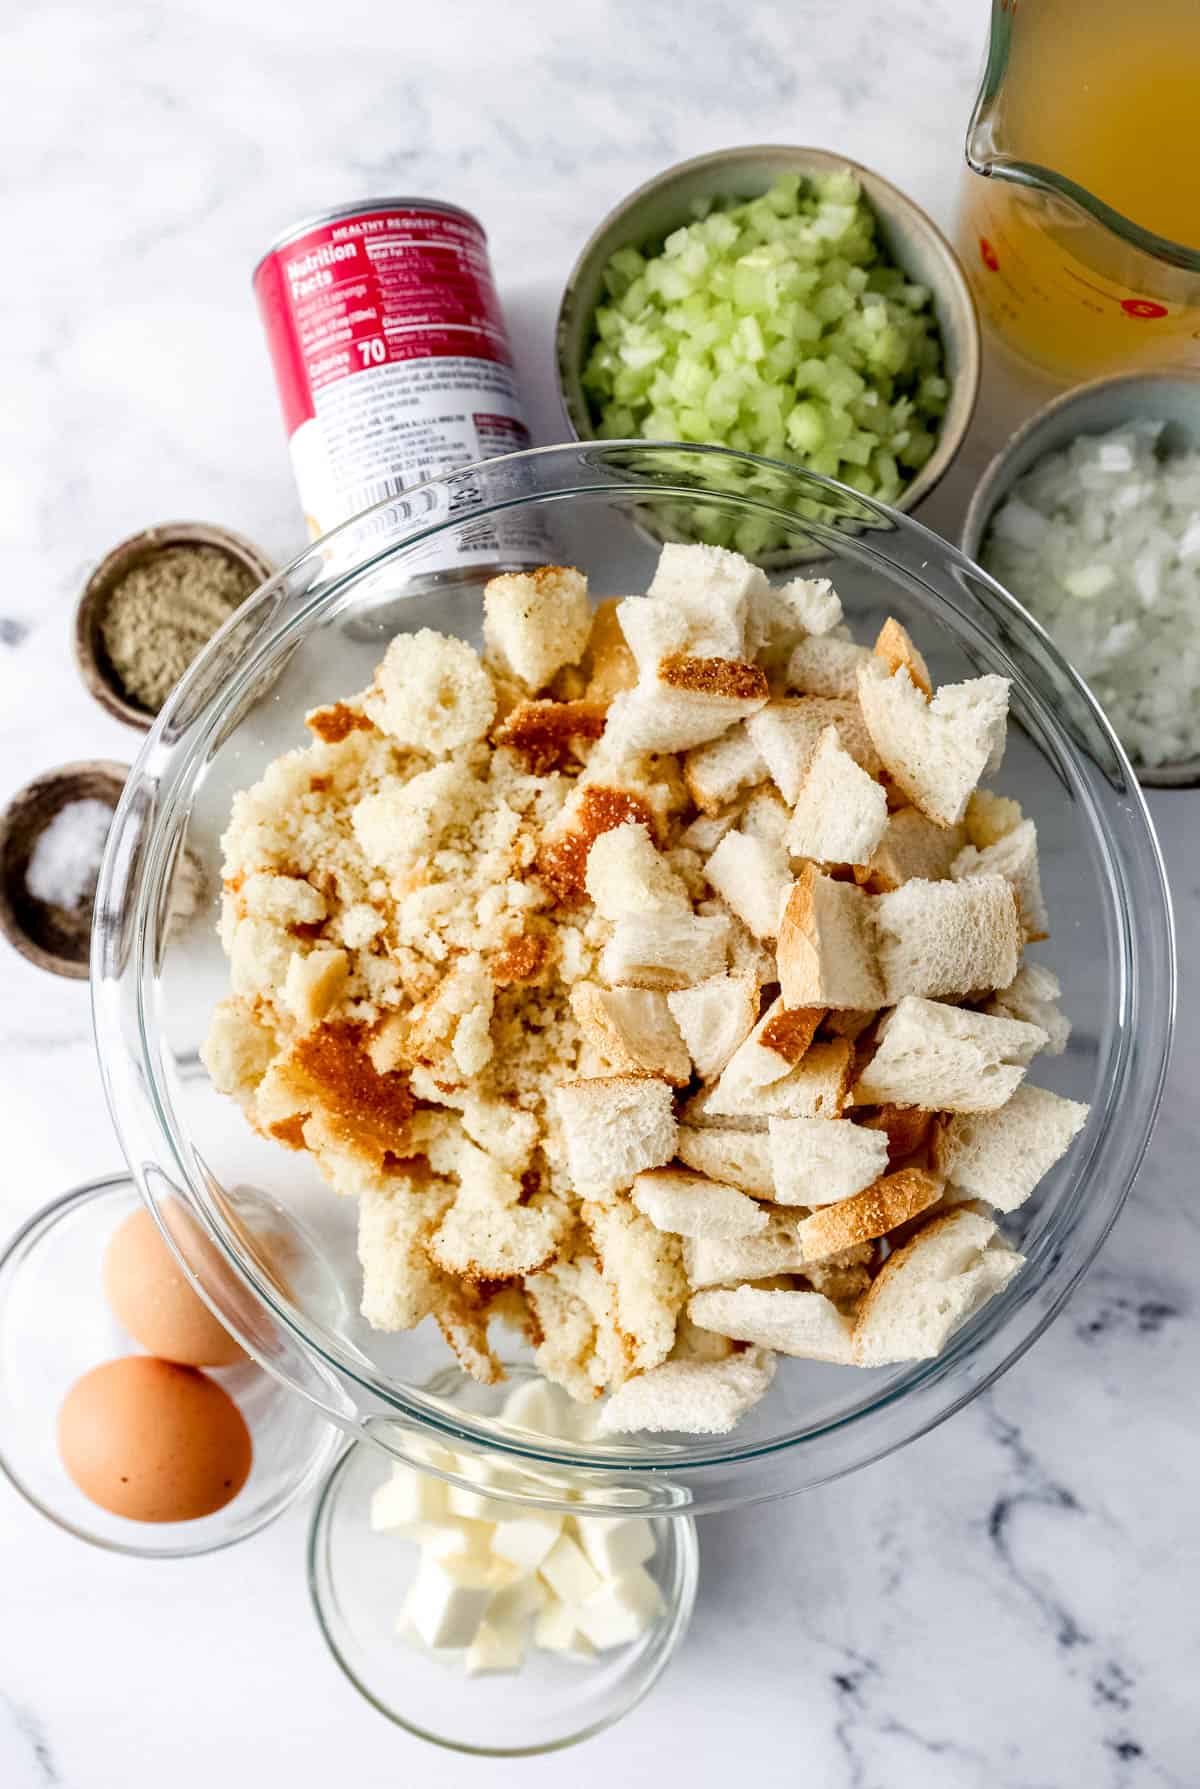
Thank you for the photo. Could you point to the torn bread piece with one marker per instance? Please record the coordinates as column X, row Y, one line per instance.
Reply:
column 753, row 879
column 536, row 622
column 783, row 615
column 684, row 702
column 894, row 646
column 547, row 735
column 947, row 1058
column 841, row 813
column 665, row 950
column 716, row 773
column 817, row 1087
column 941, row 938
column 819, row 1161
column 930, row 1287
column 627, row 874
column 936, row 751
column 641, row 1269
column 690, row 1397
column 1033, row 996
column 633, row 1030
column 826, row 951
column 714, row 589
column 1015, row 857
column 731, row 1260
column 911, row 847
column 705, row 832
column 781, row 1038
column 689, row 1204
column 990, row 818
column 479, row 1239
column 826, row 667
column 614, row 1126
column 397, row 1216
column 739, row 1158
column 787, row 732
column 864, row 1216
column 1001, row 1156
column 714, row 1017
column 431, row 692
column 805, row 1325
column 906, row 1129
column 609, row 665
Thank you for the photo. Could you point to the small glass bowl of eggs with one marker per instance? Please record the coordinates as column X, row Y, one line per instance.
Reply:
column 128, row 1415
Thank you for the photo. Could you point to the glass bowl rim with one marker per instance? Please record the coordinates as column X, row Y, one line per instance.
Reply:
column 681, row 1536
column 40, row 1222
column 407, row 1403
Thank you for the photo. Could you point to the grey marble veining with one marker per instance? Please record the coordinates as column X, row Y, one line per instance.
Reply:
column 1008, row 1604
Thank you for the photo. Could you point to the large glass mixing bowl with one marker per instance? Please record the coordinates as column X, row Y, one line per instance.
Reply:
column 273, row 1249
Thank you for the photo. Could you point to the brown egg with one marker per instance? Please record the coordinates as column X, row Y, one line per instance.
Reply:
column 153, row 1441
column 152, row 1300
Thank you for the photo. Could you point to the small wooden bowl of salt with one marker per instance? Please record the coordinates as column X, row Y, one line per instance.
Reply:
column 52, row 837
column 152, row 604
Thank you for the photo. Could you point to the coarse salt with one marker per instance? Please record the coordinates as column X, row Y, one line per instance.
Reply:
column 65, row 861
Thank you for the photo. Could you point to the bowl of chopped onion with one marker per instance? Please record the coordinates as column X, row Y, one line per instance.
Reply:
column 782, row 301
column 1090, row 516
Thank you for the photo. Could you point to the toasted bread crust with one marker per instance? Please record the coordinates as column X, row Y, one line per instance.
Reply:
column 864, row 1216
column 714, row 677
column 895, row 647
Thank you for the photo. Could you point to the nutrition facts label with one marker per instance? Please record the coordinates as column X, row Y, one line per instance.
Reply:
column 393, row 365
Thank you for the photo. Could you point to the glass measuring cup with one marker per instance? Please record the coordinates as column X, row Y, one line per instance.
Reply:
column 1084, row 188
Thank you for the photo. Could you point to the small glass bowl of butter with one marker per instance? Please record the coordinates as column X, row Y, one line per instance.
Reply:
column 488, row 1626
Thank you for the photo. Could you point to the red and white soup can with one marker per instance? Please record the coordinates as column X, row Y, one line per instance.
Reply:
column 393, row 365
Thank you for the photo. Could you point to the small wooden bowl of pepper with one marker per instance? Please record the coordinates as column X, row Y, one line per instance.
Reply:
column 152, row 604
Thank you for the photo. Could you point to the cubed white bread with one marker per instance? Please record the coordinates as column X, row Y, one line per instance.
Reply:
column 826, row 950
column 788, row 731
column 941, row 938
column 817, row 1161
column 1015, row 857
column 431, row 692
column 525, row 1537
column 753, row 879
column 627, row 873
column 1001, row 1156
column 841, row 813
column 615, row 1544
column 806, row 1325
column 928, row 1289
column 705, row 832
column 642, row 1272
column 895, row 647
column 766, row 816
column 729, row 1261
column 913, row 846
column 817, row 1087
column 407, row 1499
column 990, row 818
column 665, row 950
column 697, row 1112
column 714, row 1017
column 780, row 1039
column 693, row 1343
column 496, row 1648
column 947, row 1058
column 936, row 751
column 714, row 588
column 690, row 1397
column 396, row 1220
column 1033, row 997
column 568, row 1571
column 632, row 1030
column 739, row 1158
column 448, row 1596
column 622, row 1610
column 783, row 615
column 826, row 666
column 556, row 1629
column 316, row 981
column 614, row 1127
column 863, row 1217
column 683, row 703
column 717, row 772
column 536, row 622
column 480, row 1239
column 608, row 661
column 685, row 1203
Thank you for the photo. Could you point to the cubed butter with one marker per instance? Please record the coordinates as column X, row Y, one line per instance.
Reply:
column 615, row 1545
column 448, row 1598
column 518, row 1602
column 495, row 1648
column 527, row 1538
column 556, row 1630
column 407, row 1499
column 621, row 1610
column 567, row 1571
column 539, row 1407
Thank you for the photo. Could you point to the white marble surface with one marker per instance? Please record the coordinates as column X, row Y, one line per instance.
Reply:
column 1009, row 1604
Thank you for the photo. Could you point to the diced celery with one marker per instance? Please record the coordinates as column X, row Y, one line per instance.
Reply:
column 805, row 429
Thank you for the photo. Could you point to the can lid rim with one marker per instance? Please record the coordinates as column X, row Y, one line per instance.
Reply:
column 364, row 208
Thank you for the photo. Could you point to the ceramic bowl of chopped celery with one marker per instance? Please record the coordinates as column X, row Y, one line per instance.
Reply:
column 1090, row 516
column 783, row 301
